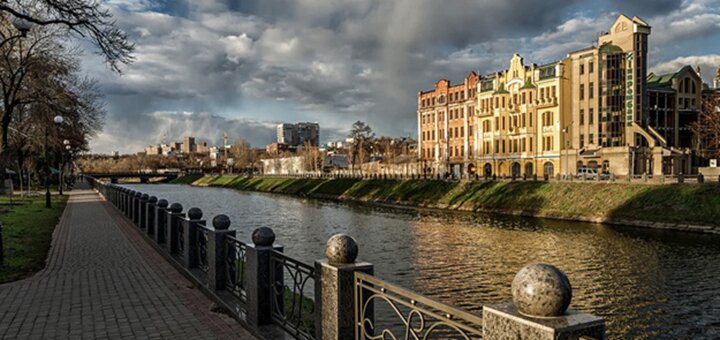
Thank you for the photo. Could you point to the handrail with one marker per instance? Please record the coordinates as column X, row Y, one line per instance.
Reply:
column 425, row 317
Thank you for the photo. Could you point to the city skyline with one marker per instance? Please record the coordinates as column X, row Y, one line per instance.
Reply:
column 218, row 66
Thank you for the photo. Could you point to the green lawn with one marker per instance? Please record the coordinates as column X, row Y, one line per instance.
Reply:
column 27, row 233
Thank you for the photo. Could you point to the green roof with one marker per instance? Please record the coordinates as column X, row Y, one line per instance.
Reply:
column 501, row 90
column 610, row 49
column 664, row 80
column 528, row 85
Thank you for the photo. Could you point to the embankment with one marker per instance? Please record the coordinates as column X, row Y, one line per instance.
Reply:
column 689, row 207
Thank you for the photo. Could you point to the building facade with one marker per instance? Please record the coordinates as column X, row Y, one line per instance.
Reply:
column 445, row 126
column 298, row 134
column 520, row 120
column 597, row 108
column 188, row 145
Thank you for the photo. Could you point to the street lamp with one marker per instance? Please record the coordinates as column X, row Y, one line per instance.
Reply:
column 66, row 143
column 58, row 121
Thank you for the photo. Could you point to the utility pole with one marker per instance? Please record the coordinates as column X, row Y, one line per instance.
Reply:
column 225, row 147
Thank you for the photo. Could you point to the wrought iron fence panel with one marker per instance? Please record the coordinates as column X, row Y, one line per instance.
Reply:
column 407, row 315
column 180, row 238
column 235, row 252
column 202, row 238
column 293, row 285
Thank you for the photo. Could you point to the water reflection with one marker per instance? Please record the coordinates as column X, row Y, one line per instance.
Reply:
column 647, row 283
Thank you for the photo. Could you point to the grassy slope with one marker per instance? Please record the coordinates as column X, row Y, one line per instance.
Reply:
column 27, row 233
column 683, row 203
column 187, row 179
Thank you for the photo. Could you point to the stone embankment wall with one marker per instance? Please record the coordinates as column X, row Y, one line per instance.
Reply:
column 688, row 207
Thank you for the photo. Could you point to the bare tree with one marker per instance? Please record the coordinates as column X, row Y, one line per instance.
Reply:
column 83, row 18
column 707, row 128
column 361, row 135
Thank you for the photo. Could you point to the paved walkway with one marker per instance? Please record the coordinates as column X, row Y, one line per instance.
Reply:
column 103, row 280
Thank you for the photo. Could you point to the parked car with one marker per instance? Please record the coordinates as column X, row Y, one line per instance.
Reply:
column 590, row 174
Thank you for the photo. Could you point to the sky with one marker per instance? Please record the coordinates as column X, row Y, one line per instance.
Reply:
column 208, row 67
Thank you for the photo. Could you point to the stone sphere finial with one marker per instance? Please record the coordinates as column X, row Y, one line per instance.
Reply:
column 341, row 249
column 221, row 222
column 162, row 203
column 145, row 196
column 195, row 213
column 138, row 194
column 175, row 208
column 541, row 290
column 152, row 199
column 263, row 236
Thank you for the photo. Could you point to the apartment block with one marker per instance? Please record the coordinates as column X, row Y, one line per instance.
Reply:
column 597, row 108
column 445, row 126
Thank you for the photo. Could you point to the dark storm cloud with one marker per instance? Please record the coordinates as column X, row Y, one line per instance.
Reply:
column 645, row 8
column 337, row 61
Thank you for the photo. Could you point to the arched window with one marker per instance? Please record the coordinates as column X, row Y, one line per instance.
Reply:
column 548, row 169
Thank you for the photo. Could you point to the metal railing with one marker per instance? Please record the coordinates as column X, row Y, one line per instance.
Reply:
column 420, row 317
column 258, row 284
column 202, row 238
column 293, row 308
column 235, row 260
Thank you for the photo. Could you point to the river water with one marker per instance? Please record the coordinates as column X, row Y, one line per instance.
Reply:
column 646, row 283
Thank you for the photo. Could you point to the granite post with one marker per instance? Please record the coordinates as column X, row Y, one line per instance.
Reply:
column 172, row 220
column 160, row 216
column 216, row 251
column 150, row 215
column 136, row 208
column 189, row 241
column 143, row 211
column 335, row 289
column 257, row 273
column 539, row 310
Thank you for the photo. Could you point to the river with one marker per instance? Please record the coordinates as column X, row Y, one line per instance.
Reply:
column 646, row 283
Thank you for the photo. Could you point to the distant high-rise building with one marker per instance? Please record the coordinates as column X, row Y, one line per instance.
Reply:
column 152, row 150
column 717, row 79
column 188, row 145
column 286, row 134
column 298, row 134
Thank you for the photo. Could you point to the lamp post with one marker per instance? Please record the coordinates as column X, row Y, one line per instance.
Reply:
column 66, row 143
column 58, row 120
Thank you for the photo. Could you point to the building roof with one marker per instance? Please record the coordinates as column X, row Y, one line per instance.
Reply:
column 664, row 81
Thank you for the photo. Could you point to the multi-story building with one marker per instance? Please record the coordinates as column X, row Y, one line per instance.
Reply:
column 153, row 150
column 445, row 126
column 716, row 82
column 286, row 134
column 298, row 134
column 611, row 123
column 675, row 100
column 519, row 119
column 188, row 145
column 595, row 108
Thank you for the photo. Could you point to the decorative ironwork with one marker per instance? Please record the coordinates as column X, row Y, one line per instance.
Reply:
column 180, row 238
column 418, row 317
column 235, row 251
column 202, row 238
column 292, row 307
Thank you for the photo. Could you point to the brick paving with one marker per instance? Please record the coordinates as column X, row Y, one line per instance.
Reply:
column 104, row 281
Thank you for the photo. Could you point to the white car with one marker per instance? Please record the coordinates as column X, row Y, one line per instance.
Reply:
column 587, row 173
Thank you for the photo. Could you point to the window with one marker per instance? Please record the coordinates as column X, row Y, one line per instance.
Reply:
column 531, row 144
column 582, row 117
column 590, row 67
column 591, row 140
column 582, row 91
column 591, row 119
column 582, row 69
column 591, row 90
column 582, row 141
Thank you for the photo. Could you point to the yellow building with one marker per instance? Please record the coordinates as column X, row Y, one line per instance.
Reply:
column 597, row 108
column 520, row 120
